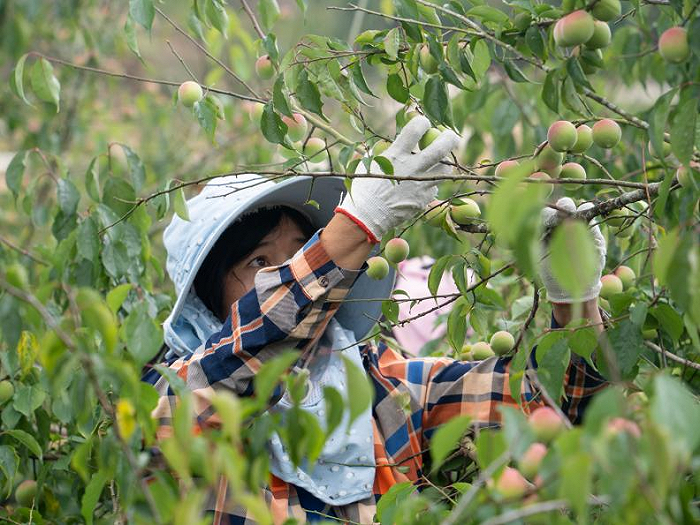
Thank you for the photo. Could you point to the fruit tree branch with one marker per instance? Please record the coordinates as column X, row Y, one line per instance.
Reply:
column 672, row 357
column 253, row 20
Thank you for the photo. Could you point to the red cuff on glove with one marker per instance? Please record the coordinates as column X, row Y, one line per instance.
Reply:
column 370, row 236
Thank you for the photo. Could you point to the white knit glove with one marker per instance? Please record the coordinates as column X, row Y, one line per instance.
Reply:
column 377, row 205
column 555, row 293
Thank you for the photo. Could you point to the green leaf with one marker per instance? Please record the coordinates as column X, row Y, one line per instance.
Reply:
column 573, row 67
column 384, row 164
column 551, row 367
column 27, row 440
column 269, row 13
column 583, row 342
column 669, row 319
column 436, row 101
column 270, row 373
column 68, row 196
column 116, row 296
column 137, row 170
column 663, row 256
column 92, row 180
column 550, row 91
column 142, row 335
column 15, row 171
column 436, row 271
column 142, row 11
column 457, row 324
column 390, row 310
column 658, row 119
column 45, row 85
column 359, row 80
column 391, row 501
column 683, row 130
column 28, row 398
column 362, row 391
column 207, row 113
column 280, row 101
column 571, row 98
column 627, row 345
column 572, row 257
column 93, row 490
column 216, row 12
column 488, row 14
column 131, row 40
column 88, row 244
column 396, row 88
column 514, row 72
column 490, row 445
column 17, row 79
column 446, row 438
column 392, row 41
column 272, row 126
column 677, row 410
column 308, row 94
column 335, row 407
column 535, row 41
column 9, row 461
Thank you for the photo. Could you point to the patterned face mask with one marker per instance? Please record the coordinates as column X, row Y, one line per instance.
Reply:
column 344, row 472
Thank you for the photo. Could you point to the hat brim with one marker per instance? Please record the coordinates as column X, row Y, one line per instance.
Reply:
column 363, row 309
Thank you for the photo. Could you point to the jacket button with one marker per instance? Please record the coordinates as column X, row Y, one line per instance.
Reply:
column 323, row 281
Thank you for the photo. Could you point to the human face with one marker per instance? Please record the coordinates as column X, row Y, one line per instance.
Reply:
column 274, row 249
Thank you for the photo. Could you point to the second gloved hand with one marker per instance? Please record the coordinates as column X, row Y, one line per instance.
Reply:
column 555, row 292
column 377, row 205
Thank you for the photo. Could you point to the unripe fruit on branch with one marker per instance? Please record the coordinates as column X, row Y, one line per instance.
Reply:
column 427, row 61
column 25, row 493
column 574, row 29
column 541, row 175
column 263, row 67
column 396, row 250
column 506, row 168
column 377, row 268
column 611, row 285
column 465, row 213
column 673, row 45
column 511, row 484
column 255, row 111
column 7, row 390
column 626, row 275
column 380, row 147
column 584, row 139
column 502, row 342
column 482, row 350
column 652, row 150
column 607, row 10
column 601, row 36
column 530, row 462
column 435, row 216
column 313, row 149
column 522, row 21
column 649, row 334
column 606, row 133
column 189, row 92
column 17, row 275
column 562, row 135
column 548, row 159
column 573, row 170
column 428, row 138
column 617, row 217
column 296, row 127
column 546, row 424
column 687, row 177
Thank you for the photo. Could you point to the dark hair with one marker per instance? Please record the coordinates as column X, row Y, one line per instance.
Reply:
column 239, row 240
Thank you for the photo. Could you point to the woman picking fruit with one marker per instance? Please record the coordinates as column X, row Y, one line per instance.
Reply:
column 242, row 300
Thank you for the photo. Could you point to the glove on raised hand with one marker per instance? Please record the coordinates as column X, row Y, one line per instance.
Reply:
column 556, row 293
column 377, row 205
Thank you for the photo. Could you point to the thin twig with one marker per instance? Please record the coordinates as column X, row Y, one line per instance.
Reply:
column 672, row 357
column 182, row 61
column 24, row 252
column 207, row 53
column 254, row 21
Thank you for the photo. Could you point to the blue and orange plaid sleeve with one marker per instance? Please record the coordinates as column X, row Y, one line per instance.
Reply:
column 289, row 307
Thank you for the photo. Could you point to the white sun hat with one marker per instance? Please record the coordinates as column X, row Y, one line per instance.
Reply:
column 226, row 199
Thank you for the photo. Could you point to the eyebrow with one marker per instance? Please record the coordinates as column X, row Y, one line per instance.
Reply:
column 262, row 244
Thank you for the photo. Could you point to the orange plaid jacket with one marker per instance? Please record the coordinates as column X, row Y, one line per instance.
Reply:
column 291, row 306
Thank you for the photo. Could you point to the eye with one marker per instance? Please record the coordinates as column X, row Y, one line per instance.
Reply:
column 259, row 262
